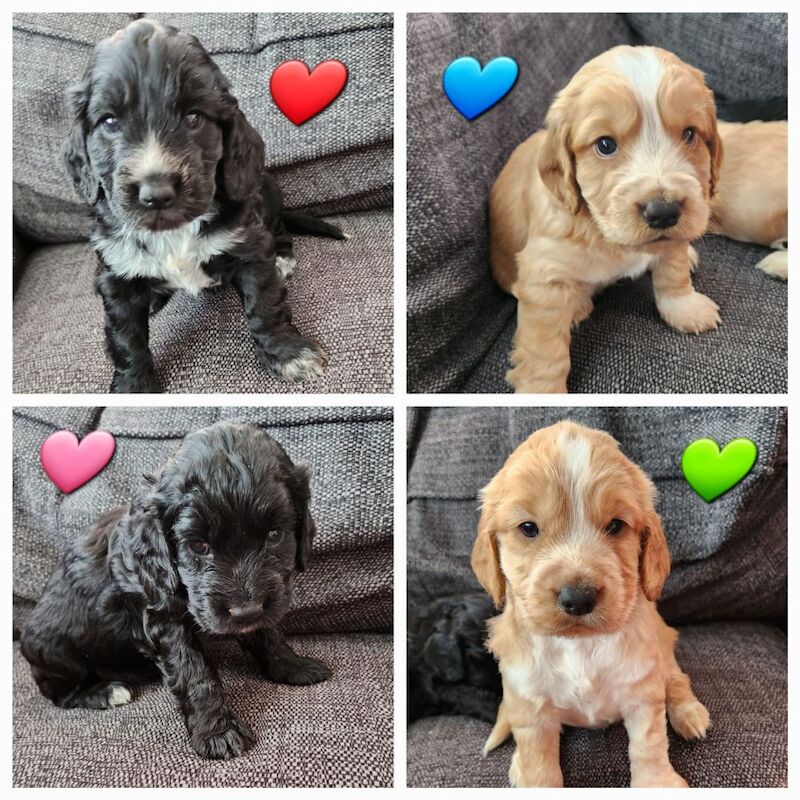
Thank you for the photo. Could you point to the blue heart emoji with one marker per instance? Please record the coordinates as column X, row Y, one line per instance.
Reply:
column 473, row 90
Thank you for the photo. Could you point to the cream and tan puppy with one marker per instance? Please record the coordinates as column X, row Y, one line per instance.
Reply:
column 628, row 172
column 571, row 548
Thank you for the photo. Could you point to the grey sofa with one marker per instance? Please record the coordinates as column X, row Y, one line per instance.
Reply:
column 460, row 324
column 338, row 165
column 337, row 733
column 727, row 593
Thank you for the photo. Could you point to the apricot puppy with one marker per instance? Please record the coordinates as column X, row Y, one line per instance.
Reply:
column 622, row 181
column 570, row 547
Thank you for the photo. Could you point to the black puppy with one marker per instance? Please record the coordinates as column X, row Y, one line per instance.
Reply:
column 207, row 546
column 176, row 176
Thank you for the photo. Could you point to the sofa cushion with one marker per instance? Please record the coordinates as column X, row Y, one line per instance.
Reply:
column 353, row 137
column 738, row 671
column 337, row 733
column 460, row 324
column 340, row 295
column 729, row 557
column 348, row 583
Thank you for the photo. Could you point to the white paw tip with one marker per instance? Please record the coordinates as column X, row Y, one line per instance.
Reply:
column 119, row 696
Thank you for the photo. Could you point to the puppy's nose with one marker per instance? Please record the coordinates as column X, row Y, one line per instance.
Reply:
column 577, row 600
column 157, row 192
column 661, row 214
column 247, row 611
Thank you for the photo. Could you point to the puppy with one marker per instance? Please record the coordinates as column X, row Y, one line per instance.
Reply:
column 175, row 174
column 569, row 541
column 207, row 546
column 622, row 180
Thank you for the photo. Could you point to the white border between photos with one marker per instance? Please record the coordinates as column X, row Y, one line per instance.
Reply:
column 399, row 400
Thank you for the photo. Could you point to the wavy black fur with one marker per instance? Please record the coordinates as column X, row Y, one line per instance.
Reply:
column 131, row 599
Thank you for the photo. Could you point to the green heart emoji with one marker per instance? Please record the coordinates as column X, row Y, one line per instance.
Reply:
column 710, row 472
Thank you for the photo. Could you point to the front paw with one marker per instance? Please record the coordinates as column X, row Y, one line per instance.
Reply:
column 143, row 382
column 689, row 720
column 299, row 671
column 667, row 779
column 689, row 313
column 541, row 779
column 222, row 738
column 307, row 365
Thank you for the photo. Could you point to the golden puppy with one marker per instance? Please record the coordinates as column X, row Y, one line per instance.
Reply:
column 621, row 181
column 570, row 546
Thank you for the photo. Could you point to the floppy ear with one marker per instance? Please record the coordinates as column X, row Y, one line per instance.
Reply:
column 76, row 158
column 242, row 158
column 654, row 561
column 305, row 530
column 557, row 162
column 485, row 555
column 146, row 553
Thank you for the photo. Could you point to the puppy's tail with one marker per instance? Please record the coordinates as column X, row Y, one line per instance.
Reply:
column 500, row 732
column 304, row 224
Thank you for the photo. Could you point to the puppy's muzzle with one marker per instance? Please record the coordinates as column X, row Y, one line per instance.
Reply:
column 157, row 192
column 661, row 214
column 249, row 612
column 577, row 601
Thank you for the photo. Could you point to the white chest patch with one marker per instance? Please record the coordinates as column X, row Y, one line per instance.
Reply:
column 175, row 257
column 587, row 678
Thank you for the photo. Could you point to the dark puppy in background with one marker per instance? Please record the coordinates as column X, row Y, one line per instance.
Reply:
column 182, row 200
column 208, row 546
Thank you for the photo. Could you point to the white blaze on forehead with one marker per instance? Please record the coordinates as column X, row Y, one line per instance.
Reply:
column 576, row 457
column 653, row 153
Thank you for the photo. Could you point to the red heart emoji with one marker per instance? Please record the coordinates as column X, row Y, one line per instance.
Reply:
column 301, row 94
column 70, row 463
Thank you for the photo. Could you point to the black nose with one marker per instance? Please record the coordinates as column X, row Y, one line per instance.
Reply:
column 157, row 192
column 661, row 213
column 246, row 611
column 577, row 600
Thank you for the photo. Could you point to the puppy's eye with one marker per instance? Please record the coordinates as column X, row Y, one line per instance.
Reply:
column 605, row 147
column 529, row 529
column 689, row 135
column 193, row 120
column 615, row 526
column 200, row 548
column 273, row 537
column 110, row 124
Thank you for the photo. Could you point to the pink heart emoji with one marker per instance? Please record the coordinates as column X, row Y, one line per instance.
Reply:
column 70, row 463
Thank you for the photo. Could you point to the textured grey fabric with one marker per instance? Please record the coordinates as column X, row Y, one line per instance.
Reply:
column 337, row 733
column 460, row 324
column 50, row 52
column 348, row 583
column 737, row 670
column 340, row 294
column 729, row 556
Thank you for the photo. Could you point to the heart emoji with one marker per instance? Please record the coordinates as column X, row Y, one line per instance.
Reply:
column 70, row 463
column 473, row 90
column 301, row 94
column 710, row 472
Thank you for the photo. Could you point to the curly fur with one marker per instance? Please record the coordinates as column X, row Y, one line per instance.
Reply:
column 177, row 124
column 131, row 598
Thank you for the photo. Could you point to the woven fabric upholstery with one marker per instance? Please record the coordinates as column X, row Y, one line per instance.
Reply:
column 460, row 324
column 337, row 733
column 340, row 294
column 729, row 580
column 738, row 671
column 348, row 583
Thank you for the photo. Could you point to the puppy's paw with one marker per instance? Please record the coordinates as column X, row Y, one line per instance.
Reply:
column 143, row 382
column 223, row 738
column 299, row 671
column 542, row 779
column 285, row 266
column 307, row 365
column 100, row 696
column 689, row 313
column 689, row 720
column 776, row 264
